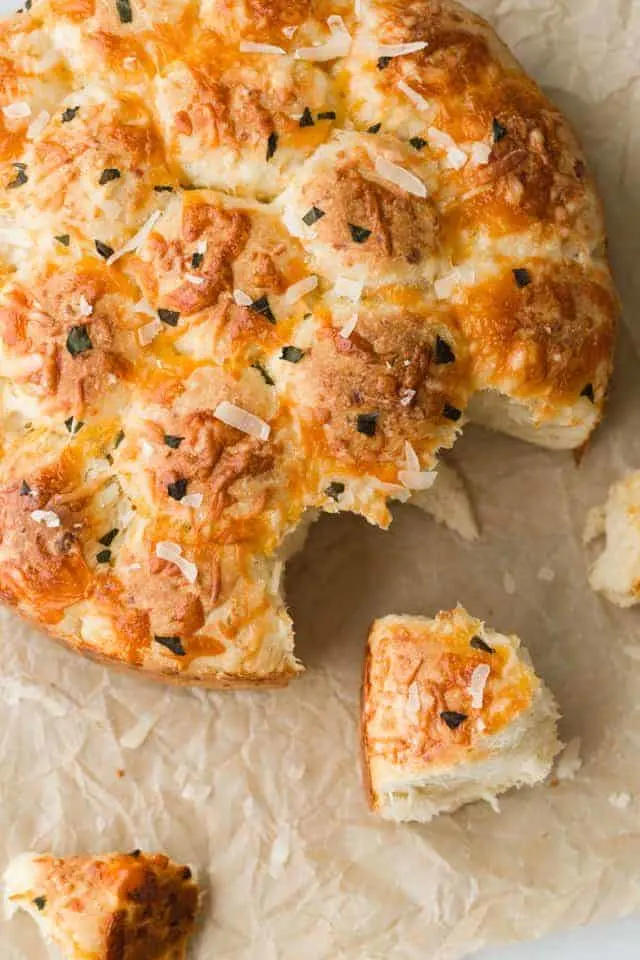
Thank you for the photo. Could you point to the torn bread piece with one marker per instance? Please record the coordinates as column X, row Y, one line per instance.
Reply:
column 616, row 572
column 133, row 906
column 448, row 502
column 452, row 712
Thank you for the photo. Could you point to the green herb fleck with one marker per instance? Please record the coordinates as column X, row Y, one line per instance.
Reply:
column 383, row 62
column 163, row 188
column 479, row 644
column 451, row 413
column 312, row 215
column 21, row 176
column 334, row 490
column 73, row 425
column 172, row 643
column 359, row 234
column 306, row 120
column 261, row 306
column 25, row 489
column 272, row 145
column 418, row 143
column 452, row 718
column 367, row 423
column 374, row 128
column 108, row 538
column 124, row 11
column 170, row 317
column 103, row 249
column 172, row 441
column 443, row 352
column 270, row 382
column 196, row 260
column 104, row 556
column 64, row 239
column 69, row 114
column 40, row 902
column 78, row 340
column 499, row 132
column 109, row 174
column 291, row 354
column 327, row 115
column 178, row 489
column 118, row 440
column 522, row 277
column 589, row 393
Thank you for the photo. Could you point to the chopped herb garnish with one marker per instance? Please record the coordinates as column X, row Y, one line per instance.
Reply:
column 188, row 186
column 306, row 120
column 588, row 392
column 272, row 145
column 64, row 239
column 499, row 132
column 108, row 538
column 374, row 128
column 359, row 234
column 178, row 489
column 170, row 317
column 383, row 62
column 367, row 423
column 327, row 115
column 124, row 11
column 335, row 489
column 118, row 440
column 312, row 215
column 186, row 873
column 292, row 354
column 135, row 853
column 27, row 5
column 104, row 556
column 197, row 260
column 452, row 718
column 25, row 489
column 73, row 425
column 109, row 174
column 522, row 277
column 268, row 379
column 172, row 643
column 103, row 249
column 261, row 306
column 580, row 169
column 21, row 176
column 417, row 143
column 163, row 188
column 479, row 644
column 40, row 902
column 451, row 413
column 69, row 114
column 78, row 340
column 443, row 352
column 172, row 441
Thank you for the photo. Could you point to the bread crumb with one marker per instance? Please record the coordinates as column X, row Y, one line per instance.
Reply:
column 546, row 574
column 620, row 800
column 570, row 760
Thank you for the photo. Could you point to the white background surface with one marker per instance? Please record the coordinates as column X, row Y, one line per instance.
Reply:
column 620, row 941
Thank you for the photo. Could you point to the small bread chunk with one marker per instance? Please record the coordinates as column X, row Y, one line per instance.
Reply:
column 616, row 572
column 452, row 712
column 133, row 906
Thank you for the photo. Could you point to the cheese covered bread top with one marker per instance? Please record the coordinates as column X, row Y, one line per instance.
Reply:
column 439, row 693
column 132, row 906
column 255, row 259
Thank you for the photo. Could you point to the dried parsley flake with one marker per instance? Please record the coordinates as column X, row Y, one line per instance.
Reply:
column 78, row 340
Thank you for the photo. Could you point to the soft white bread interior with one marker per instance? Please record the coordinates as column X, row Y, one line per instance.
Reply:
column 569, row 429
column 132, row 906
column 616, row 572
column 452, row 712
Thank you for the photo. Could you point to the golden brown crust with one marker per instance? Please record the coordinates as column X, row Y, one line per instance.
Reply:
column 431, row 231
column 132, row 906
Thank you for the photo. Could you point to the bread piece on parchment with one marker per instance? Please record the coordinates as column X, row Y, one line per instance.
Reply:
column 452, row 712
column 134, row 906
column 616, row 572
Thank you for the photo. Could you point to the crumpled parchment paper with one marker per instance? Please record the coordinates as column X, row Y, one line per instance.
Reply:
column 261, row 791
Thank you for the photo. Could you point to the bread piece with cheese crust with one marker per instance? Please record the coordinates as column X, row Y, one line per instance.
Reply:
column 134, row 906
column 260, row 259
column 616, row 571
column 452, row 712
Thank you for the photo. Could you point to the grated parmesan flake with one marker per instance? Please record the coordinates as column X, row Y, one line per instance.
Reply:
column 137, row 239
column 349, row 327
column 416, row 98
column 241, row 419
column 456, row 158
column 192, row 500
column 149, row 331
column 300, row 289
column 400, row 49
column 400, row 177
column 477, row 684
column 17, row 111
column 338, row 45
column 84, row 307
column 47, row 517
column 195, row 280
column 38, row 124
column 241, row 298
column 248, row 46
column 480, row 154
column 172, row 553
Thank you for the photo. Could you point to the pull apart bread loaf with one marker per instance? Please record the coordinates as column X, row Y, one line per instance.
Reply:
column 261, row 259
column 451, row 712
column 132, row 906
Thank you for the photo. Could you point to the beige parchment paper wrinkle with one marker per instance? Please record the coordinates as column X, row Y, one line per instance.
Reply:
column 261, row 791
